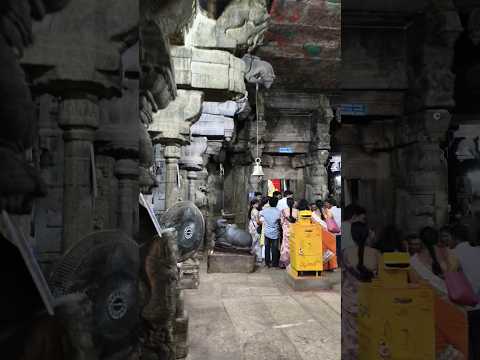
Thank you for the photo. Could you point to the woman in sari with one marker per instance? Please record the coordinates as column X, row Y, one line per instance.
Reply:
column 287, row 216
column 360, row 265
column 253, row 228
column 432, row 262
column 330, row 251
column 317, row 215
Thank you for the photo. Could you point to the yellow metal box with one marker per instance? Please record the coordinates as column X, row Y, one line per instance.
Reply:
column 306, row 253
column 393, row 269
column 394, row 317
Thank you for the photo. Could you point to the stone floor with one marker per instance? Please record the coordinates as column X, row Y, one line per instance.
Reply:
column 259, row 317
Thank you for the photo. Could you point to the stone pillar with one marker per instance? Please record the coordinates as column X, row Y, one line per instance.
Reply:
column 172, row 190
column 422, row 197
column 316, row 176
column 171, row 127
column 106, row 203
column 127, row 172
column 423, row 186
column 79, row 119
column 192, row 161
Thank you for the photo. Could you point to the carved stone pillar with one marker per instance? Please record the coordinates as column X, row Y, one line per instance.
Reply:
column 172, row 188
column 127, row 172
column 423, row 176
column 171, row 127
column 192, row 160
column 317, row 176
column 79, row 119
column 423, row 184
column 106, row 204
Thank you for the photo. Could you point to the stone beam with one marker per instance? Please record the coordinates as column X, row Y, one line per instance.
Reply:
column 213, row 70
column 214, row 126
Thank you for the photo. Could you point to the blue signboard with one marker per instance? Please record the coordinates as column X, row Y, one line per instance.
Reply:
column 285, row 150
column 354, row 109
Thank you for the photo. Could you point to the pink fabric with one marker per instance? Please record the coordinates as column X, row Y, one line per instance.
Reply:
column 285, row 248
column 332, row 226
column 460, row 290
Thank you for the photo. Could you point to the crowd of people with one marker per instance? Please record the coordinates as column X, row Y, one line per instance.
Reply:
column 270, row 219
column 434, row 254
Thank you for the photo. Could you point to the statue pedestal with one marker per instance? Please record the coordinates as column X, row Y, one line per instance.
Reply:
column 190, row 274
column 222, row 262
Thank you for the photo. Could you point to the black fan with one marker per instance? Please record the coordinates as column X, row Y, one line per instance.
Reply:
column 187, row 219
column 104, row 265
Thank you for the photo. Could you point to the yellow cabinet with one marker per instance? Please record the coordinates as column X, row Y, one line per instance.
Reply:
column 306, row 253
column 395, row 317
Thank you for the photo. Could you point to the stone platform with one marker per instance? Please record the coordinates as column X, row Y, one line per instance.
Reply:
column 223, row 262
column 325, row 281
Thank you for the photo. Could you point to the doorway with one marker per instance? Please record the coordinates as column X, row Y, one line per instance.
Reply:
column 281, row 185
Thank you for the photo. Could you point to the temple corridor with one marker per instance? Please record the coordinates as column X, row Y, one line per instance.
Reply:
column 258, row 316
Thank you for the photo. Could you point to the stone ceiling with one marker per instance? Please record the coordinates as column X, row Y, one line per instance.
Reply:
column 303, row 44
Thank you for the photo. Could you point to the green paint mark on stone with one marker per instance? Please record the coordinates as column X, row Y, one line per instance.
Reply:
column 334, row 5
column 312, row 49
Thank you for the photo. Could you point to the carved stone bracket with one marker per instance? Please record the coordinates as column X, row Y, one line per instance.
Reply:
column 172, row 124
column 240, row 26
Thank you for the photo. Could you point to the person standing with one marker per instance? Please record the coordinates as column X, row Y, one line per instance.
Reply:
column 254, row 227
column 288, row 216
column 317, row 215
column 270, row 219
column 336, row 213
column 414, row 244
column 359, row 265
column 352, row 213
column 468, row 255
column 282, row 203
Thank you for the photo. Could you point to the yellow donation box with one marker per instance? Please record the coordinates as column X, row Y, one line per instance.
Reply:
column 395, row 318
column 306, row 253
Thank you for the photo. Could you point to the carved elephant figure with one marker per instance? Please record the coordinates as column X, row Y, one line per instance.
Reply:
column 258, row 71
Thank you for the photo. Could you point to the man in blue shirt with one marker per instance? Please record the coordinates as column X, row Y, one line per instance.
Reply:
column 270, row 218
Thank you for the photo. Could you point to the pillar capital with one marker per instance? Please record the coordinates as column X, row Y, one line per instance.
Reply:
column 74, row 113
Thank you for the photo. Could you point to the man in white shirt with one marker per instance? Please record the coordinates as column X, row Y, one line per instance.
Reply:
column 282, row 203
column 467, row 255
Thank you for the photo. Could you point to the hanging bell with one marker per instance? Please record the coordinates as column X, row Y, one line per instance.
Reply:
column 257, row 169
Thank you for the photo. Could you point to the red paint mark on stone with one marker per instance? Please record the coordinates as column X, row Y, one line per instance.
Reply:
column 295, row 16
column 275, row 12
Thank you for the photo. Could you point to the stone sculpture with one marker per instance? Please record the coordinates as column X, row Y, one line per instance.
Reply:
column 160, row 311
column 258, row 71
column 230, row 236
column 237, row 25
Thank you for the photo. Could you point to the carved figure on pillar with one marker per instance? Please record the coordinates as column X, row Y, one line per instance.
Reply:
column 237, row 25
